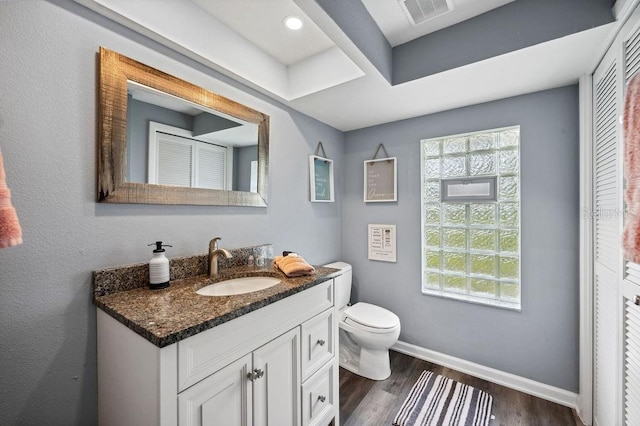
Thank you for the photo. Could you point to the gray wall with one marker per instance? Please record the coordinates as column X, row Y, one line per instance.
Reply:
column 48, row 136
column 242, row 158
column 541, row 342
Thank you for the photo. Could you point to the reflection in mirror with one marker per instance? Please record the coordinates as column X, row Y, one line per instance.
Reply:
column 166, row 141
column 174, row 142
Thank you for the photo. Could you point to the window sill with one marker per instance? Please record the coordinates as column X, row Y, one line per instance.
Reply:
column 503, row 304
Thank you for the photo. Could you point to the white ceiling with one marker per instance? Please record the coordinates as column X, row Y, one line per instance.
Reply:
column 261, row 23
column 338, row 85
column 370, row 100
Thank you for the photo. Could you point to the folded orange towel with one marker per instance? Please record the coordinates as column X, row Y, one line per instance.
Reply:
column 293, row 266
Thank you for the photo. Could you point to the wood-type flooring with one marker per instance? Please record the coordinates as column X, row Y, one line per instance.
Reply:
column 365, row 402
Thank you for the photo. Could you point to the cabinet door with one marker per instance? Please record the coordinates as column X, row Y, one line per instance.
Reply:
column 276, row 388
column 224, row 398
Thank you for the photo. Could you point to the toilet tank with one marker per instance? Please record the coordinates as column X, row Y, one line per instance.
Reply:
column 342, row 283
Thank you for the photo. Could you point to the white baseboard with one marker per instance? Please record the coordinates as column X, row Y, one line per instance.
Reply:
column 528, row 386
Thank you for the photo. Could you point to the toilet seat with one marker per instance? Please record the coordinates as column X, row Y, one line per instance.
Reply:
column 371, row 318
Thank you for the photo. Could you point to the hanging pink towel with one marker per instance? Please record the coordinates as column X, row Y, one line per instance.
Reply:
column 631, row 134
column 10, row 231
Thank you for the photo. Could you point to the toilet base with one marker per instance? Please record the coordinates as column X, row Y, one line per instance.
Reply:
column 368, row 363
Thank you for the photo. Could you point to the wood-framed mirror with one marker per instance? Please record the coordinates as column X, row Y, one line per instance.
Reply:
column 150, row 122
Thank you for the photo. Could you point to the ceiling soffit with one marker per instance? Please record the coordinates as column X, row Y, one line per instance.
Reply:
column 333, row 85
column 187, row 28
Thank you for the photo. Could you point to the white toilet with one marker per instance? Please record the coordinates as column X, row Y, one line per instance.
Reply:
column 366, row 331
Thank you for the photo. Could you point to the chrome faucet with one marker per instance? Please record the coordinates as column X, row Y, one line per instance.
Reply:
column 214, row 252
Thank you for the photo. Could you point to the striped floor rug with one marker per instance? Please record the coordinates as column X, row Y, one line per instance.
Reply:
column 438, row 401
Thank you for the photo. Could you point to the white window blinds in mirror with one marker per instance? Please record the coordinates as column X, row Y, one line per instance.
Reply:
column 174, row 161
column 178, row 160
column 211, row 165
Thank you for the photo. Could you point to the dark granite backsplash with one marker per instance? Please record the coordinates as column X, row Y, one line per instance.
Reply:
column 128, row 277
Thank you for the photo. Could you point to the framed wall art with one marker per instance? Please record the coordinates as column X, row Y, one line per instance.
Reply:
column 382, row 242
column 320, row 177
column 381, row 180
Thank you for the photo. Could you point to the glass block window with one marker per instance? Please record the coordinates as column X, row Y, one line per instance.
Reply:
column 471, row 250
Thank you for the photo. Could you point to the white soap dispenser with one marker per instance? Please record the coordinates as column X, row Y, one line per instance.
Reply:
column 159, row 267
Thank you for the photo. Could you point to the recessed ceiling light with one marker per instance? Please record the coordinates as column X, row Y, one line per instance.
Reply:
column 293, row 22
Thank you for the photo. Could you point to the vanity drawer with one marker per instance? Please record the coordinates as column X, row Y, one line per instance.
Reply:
column 319, row 396
column 318, row 342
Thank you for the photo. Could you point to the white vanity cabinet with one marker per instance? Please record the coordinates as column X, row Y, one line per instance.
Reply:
column 261, row 388
column 273, row 366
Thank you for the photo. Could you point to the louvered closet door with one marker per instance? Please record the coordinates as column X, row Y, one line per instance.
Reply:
column 607, row 230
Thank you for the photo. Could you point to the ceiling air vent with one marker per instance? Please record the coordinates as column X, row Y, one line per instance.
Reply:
column 419, row 11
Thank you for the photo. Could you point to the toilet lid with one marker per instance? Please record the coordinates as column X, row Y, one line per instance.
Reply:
column 371, row 316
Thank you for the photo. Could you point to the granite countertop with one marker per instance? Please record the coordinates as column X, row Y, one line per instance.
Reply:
column 166, row 316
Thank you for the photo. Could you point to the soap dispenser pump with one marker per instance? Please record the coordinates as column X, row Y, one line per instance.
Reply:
column 159, row 267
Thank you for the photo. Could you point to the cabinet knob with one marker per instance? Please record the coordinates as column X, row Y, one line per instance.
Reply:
column 322, row 398
column 636, row 300
column 321, row 342
column 255, row 374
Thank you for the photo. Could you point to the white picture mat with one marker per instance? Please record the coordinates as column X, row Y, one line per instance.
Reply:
column 382, row 242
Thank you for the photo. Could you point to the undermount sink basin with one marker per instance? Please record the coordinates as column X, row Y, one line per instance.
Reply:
column 238, row 286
